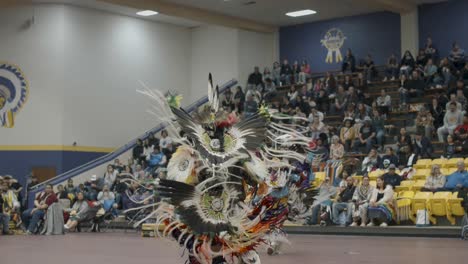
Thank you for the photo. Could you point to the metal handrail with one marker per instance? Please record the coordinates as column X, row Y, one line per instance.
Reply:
column 108, row 157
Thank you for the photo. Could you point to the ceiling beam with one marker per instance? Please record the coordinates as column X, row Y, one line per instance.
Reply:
column 195, row 14
column 396, row 6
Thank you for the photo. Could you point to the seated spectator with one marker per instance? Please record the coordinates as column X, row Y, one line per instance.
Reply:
column 362, row 111
column 255, row 78
column 341, row 99
column 106, row 198
column 276, row 73
column 139, row 173
column 457, row 56
column 269, row 91
column 384, row 102
column 32, row 216
column 155, row 160
column 391, row 69
column 407, row 63
column 464, row 75
column 422, row 146
column 250, row 107
column 348, row 134
column 425, row 122
column 334, row 163
column 452, row 119
column 323, row 199
column 435, row 182
column 414, row 88
column 361, row 198
column 330, row 83
column 391, row 177
column 461, row 132
column 447, row 69
column 350, row 111
column 93, row 187
column 317, row 87
column 430, row 70
column 118, row 166
column 461, row 99
column 421, row 59
column 153, row 140
column 371, row 162
column 165, row 141
column 266, row 74
column 78, row 212
column 70, row 188
column 353, row 96
column 458, row 179
column 348, row 82
column 239, row 99
column 366, row 136
column 9, row 205
column 388, row 158
column 451, row 148
column 349, row 62
column 344, row 201
column 137, row 152
column 380, row 208
column 314, row 113
column 61, row 193
column 228, row 102
column 147, row 148
column 378, row 122
column 285, row 73
column 110, row 175
column 430, row 50
column 316, row 128
column 322, row 101
column 296, row 69
column 403, row 142
column 16, row 187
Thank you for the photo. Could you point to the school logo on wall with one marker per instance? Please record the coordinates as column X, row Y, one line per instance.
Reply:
column 14, row 90
column 333, row 41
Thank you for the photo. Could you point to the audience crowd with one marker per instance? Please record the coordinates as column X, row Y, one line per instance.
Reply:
column 336, row 149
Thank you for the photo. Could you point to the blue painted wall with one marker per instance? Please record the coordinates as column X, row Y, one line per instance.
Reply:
column 19, row 163
column 377, row 34
column 445, row 22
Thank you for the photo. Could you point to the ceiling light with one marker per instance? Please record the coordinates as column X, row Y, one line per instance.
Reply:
column 147, row 13
column 300, row 13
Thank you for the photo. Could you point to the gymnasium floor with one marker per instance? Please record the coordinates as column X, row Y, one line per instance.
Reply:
column 129, row 248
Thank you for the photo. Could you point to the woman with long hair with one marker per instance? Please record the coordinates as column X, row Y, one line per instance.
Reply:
column 334, row 165
column 436, row 180
column 381, row 210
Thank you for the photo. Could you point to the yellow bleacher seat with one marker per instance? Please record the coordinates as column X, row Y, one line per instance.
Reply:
column 444, row 171
column 357, row 178
column 373, row 175
column 405, row 186
column 421, row 174
column 404, row 205
column 438, row 204
column 420, row 202
column 466, row 162
column 441, row 162
column 423, row 164
column 373, row 183
column 418, row 185
column 451, row 170
column 454, row 208
column 452, row 163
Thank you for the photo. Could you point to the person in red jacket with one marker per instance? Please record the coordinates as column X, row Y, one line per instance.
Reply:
column 32, row 216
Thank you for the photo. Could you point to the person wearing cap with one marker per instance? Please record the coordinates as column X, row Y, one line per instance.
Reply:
column 391, row 177
column 422, row 146
column 32, row 216
column 366, row 136
column 93, row 187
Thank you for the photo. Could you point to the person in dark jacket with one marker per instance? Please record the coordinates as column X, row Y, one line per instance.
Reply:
column 344, row 201
column 391, row 177
column 422, row 146
column 407, row 63
column 349, row 62
column 255, row 78
column 137, row 151
column 388, row 158
column 285, row 73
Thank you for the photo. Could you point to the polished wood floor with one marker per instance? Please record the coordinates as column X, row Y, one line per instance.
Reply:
column 129, row 248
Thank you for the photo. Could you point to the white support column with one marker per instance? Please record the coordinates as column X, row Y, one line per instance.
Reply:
column 410, row 32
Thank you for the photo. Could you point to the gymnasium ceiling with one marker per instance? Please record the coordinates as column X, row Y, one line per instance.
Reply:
column 257, row 15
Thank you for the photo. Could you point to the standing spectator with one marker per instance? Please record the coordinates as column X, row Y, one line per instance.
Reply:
column 285, row 73
column 391, row 177
column 32, row 216
column 430, row 50
column 137, row 151
column 276, row 73
column 378, row 122
column 5, row 208
column 361, row 198
column 425, row 122
column 255, row 79
column 437, row 113
column 371, row 162
column 391, row 69
column 368, row 68
column 239, row 99
column 348, row 134
column 457, row 56
column 366, row 135
column 422, row 146
column 349, row 62
column 110, row 176
column 380, row 205
column 407, row 63
column 452, row 119
column 344, row 201
column 435, row 182
column 458, row 179
column 384, row 102
column 335, row 161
